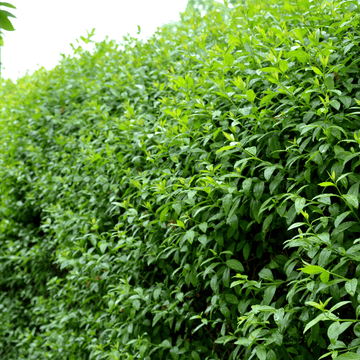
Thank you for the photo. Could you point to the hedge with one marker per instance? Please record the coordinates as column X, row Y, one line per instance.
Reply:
column 192, row 196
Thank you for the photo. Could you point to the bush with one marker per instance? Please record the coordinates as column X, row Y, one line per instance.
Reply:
column 194, row 196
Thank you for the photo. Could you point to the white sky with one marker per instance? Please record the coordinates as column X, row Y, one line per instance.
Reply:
column 45, row 28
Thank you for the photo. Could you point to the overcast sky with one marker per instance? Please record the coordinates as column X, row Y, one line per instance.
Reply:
column 45, row 28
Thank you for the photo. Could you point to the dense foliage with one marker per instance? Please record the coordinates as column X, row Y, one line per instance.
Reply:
column 194, row 196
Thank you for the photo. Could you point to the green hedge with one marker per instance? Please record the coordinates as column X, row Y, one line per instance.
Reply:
column 194, row 196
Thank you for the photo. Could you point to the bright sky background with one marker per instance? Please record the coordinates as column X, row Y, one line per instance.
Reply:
column 45, row 28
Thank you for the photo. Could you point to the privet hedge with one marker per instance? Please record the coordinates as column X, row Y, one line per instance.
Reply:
column 194, row 196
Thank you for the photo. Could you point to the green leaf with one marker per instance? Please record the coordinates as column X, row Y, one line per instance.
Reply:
column 255, row 206
column 250, row 95
column 348, row 356
column 246, row 251
column 235, row 265
column 350, row 286
column 163, row 213
column 259, row 189
column 267, row 222
column 320, row 317
column 213, row 283
column 351, row 200
column 136, row 304
column 276, row 182
column 329, row 83
column 340, row 218
column 357, row 329
column 157, row 293
column 266, row 274
column 7, row 5
column 226, row 277
column 299, row 204
column 227, row 201
column 177, row 207
column 335, row 104
column 103, row 247
column 5, row 23
column 246, row 185
column 190, row 234
column 269, row 171
column 338, row 305
column 354, row 190
column 269, row 294
column 346, row 100
column 225, row 339
column 233, row 221
column 195, row 355
column 232, row 299
column 261, row 352
column 166, row 344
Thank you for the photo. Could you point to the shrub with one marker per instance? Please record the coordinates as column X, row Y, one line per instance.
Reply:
column 194, row 196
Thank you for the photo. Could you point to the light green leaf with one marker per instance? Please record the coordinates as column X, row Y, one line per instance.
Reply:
column 270, row 70
column 316, row 70
column 324, row 277
column 163, row 213
column 283, row 65
column 203, row 226
column 350, row 286
column 228, row 59
column 326, row 184
column 338, row 305
column 180, row 223
column 103, row 247
column 312, row 269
